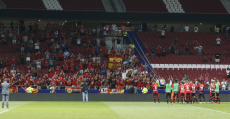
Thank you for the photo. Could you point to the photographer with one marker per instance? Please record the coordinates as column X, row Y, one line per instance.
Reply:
column 84, row 86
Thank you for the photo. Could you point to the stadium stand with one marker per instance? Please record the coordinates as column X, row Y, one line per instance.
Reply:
column 52, row 5
column 203, row 6
column 79, row 5
column 145, row 6
column 24, row 4
column 173, row 6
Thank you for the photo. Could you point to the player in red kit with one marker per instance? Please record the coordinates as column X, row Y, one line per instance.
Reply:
column 188, row 91
column 193, row 87
column 201, row 91
column 155, row 91
column 182, row 91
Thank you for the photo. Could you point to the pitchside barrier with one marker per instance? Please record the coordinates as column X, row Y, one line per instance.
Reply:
column 96, row 97
column 113, row 90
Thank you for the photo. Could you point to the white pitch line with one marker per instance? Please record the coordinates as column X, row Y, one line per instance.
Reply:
column 4, row 111
column 14, row 107
column 210, row 109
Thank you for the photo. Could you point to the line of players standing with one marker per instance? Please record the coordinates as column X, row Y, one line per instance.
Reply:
column 187, row 92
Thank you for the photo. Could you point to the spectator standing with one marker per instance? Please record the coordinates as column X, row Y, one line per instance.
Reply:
column 228, row 73
column 223, row 85
column 185, row 78
column 118, row 43
column 181, row 28
column 186, row 28
column 37, row 46
column 217, row 60
column 195, row 29
column 205, row 60
column 153, row 52
column 162, row 82
column 125, row 37
column 172, row 29
column 38, row 64
column 172, row 50
column 162, row 33
column 163, row 51
column 146, row 50
column 114, row 26
column 218, row 41
column 200, row 49
column 176, row 49
column 165, row 27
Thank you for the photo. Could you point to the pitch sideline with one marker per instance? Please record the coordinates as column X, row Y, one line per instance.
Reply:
column 14, row 107
column 209, row 109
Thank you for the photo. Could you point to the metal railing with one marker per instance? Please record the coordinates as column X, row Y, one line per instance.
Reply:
column 123, row 5
column 3, row 4
column 115, row 5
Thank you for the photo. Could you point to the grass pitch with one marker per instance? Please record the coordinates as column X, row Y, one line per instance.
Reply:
column 113, row 110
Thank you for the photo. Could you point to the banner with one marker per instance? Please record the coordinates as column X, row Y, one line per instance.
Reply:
column 106, row 90
column 114, row 61
column 35, row 91
column 72, row 90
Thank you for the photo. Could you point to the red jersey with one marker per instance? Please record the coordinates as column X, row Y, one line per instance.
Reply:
column 155, row 88
column 188, row 88
column 182, row 89
column 201, row 87
column 194, row 87
column 13, row 61
column 91, row 82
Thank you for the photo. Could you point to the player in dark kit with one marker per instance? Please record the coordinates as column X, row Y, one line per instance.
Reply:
column 201, row 91
column 155, row 91
column 182, row 91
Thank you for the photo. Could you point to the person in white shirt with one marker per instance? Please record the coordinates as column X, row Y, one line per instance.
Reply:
column 38, row 64
column 37, row 46
column 162, row 33
column 196, row 29
column 218, row 41
column 162, row 81
column 78, row 42
column 123, row 75
column 223, row 85
column 13, row 71
column 114, row 26
column 228, row 73
column 186, row 28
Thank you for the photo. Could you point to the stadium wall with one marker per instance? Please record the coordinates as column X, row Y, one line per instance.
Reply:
column 105, row 16
column 95, row 97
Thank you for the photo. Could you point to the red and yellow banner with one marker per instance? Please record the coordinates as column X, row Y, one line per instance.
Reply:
column 114, row 61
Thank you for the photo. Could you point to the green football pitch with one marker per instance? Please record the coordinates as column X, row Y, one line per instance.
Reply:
column 113, row 110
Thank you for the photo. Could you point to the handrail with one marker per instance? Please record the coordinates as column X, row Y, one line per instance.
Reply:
column 115, row 5
column 149, row 65
column 4, row 5
column 123, row 5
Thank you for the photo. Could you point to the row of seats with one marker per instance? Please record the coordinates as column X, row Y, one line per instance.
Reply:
column 52, row 5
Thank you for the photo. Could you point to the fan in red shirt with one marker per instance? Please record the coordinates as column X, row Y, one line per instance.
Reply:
column 92, row 83
column 201, row 91
column 73, row 81
column 13, row 61
column 155, row 91
column 194, row 87
column 98, row 84
column 146, row 50
column 188, row 92
column 46, row 63
column 6, row 62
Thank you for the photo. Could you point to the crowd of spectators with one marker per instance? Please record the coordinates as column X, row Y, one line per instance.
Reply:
column 58, row 66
